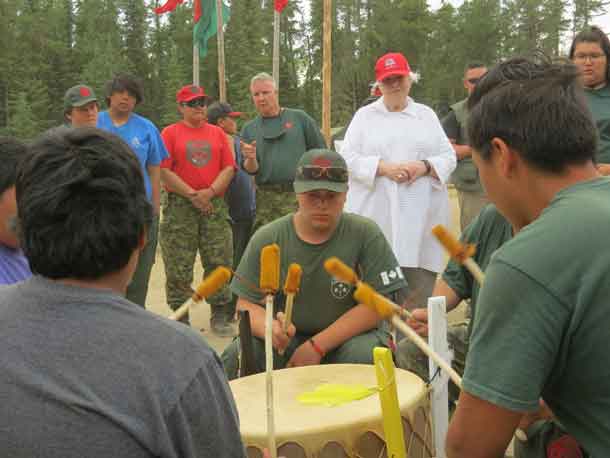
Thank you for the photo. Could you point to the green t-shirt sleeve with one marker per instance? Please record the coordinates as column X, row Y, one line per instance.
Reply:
column 313, row 135
column 456, row 275
column 248, row 271
column 515, row 341
column 378, row 265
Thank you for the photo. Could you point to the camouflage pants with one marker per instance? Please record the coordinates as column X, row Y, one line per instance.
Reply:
column 184, row 230
column 411, row 358
column 272, row 204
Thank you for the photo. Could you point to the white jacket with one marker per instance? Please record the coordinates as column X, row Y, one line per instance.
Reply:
column 406, row 213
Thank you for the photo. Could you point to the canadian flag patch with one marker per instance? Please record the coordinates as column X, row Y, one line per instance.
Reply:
column 388, row 276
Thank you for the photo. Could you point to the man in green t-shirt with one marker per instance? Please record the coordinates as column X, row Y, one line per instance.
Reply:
column 488, row 231
column 272, row 144
column 328, row 325
column 541, row 325
column 471, row 195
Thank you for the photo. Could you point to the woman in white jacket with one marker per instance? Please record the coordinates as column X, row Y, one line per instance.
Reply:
column 399, row 160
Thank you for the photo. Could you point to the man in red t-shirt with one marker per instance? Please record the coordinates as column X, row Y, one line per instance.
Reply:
column 195, row 176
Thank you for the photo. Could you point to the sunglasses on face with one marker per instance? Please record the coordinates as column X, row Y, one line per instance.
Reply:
column 473, row 81
column 312, row 172
column 194, row 103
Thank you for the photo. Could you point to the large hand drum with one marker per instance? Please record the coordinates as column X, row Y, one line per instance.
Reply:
column 354, row 429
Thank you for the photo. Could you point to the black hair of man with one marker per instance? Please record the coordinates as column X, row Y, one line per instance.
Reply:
column 124, row 82
column 474, row 64
column 81, row 203
column 12, row 152
column 593, row 34
column 537, row 108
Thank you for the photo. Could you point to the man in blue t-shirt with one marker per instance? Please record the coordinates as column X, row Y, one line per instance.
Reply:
column 14, row 266
column 123, row 93
column 240, row 195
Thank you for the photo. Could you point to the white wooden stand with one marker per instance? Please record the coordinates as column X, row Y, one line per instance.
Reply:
column 437, row 338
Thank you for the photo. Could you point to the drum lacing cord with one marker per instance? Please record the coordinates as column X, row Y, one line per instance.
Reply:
column 436, row 372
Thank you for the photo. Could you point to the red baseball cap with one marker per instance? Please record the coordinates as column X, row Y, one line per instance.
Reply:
column 390, row 64
column 190, row 92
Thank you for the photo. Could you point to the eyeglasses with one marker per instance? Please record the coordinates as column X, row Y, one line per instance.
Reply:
column 473, row 81
column 194, row 103
column 584, row 57
column 312, row 172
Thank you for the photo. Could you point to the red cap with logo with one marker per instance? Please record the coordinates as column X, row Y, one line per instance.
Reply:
column 190, row 92
column 393, row 63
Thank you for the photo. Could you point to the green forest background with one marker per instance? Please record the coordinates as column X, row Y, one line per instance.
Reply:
column 50, row 45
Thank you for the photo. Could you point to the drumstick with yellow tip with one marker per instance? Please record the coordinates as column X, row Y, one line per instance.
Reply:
column 291, row 287
column 460, row 252
column 387, row 309
column 365, row 294
column 346, row 274
column 212, row 283
column 270, row 284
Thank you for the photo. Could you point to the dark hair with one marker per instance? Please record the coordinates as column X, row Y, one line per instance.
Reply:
column 474, row 64
column 81, row 203
column 537, row 108
column 11, row 153
column 124, row 82
column 593, row 34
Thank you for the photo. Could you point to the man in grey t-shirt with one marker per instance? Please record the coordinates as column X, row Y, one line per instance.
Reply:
column 85, row 372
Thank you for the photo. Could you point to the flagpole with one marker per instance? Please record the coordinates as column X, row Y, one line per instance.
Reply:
column 195, row 64
column 276, row 49
column 327, row 72
column 222, row 86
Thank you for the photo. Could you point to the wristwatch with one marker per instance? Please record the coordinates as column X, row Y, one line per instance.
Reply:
column 428, row 166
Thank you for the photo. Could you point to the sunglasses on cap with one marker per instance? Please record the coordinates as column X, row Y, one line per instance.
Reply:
column 314, row 172
column 200, row 102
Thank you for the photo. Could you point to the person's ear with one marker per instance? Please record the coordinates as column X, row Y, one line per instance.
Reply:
column 506, row 158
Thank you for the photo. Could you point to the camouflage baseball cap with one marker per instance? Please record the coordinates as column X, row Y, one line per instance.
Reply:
column 321, row 169
column 79, row 95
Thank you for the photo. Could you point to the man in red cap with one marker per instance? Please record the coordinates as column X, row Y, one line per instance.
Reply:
column 196, row 175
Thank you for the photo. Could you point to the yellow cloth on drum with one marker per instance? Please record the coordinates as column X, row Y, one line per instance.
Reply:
column 333, row 394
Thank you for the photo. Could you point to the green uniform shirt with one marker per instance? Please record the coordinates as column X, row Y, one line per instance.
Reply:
column 357, row 241
column 599, row 104
column 465, row 177
column 489, row 231
column 543, row 322
column 280, row 143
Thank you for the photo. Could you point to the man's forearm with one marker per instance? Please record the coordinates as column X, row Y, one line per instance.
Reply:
column 175, row 184
column 251, row 165
column 155, row 184
column 462, row 151
column 441, row 288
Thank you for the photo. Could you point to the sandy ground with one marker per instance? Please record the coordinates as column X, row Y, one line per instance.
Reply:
column 200, row 315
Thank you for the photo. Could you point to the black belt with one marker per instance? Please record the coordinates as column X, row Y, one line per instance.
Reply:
column 281, row 187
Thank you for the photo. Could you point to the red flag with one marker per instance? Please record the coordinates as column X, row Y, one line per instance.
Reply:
column 196, row 11
column 170, row 5
column 279, row 5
